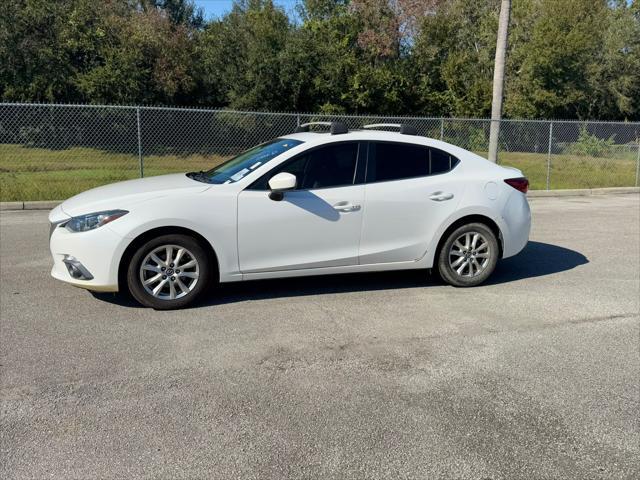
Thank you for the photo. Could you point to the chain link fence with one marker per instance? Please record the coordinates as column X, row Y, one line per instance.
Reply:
column 51, row 152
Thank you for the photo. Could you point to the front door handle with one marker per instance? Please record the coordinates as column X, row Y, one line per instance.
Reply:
column 441, row 196
column 346, row 207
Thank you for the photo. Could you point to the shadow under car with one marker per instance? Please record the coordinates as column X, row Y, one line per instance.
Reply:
column 535, row 260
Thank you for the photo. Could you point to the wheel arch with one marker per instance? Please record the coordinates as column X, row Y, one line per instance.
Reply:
column 155, row 232
column 473, row 218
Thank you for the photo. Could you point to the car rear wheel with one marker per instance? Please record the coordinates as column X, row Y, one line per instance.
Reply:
column 468, row 256
column 168, row 272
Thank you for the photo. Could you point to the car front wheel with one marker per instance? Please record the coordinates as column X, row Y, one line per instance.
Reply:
column 468, row 256
column 168, row 272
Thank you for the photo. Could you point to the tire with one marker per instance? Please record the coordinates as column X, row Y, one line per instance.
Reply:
column 462, row 263
column 165, row 285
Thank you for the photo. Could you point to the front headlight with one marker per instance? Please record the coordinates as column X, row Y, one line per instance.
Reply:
column 90, row 221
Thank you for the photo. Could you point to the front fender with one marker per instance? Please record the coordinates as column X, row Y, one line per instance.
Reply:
column 214, row 218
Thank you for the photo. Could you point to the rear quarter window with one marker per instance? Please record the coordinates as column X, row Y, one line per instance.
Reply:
column 441, row 161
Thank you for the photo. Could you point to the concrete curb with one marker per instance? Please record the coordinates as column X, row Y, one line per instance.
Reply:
column 11, row 205
column 42, row 205
column 30, row 205
column 49, row 204
column 582, row 192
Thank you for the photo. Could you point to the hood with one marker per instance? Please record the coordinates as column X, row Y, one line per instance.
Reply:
column 123, row 195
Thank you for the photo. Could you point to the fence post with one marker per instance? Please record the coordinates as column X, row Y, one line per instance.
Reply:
column 638, row 163
column 140, row 161
column 298, row 119
column 549, row 154
column 442, row 129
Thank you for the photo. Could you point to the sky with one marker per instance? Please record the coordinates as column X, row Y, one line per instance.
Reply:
column 217, row 8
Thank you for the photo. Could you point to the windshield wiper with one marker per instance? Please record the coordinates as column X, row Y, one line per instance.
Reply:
column 200, row 176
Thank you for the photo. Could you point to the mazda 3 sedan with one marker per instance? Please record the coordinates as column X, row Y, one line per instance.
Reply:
column 310, row 203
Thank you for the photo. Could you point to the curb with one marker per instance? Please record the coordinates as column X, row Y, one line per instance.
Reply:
column 581, row 192
column 42, row 205
column 30, row 205
column 11, row 205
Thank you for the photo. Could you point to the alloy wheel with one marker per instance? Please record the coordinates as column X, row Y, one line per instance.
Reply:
column 469, row 254
column 169, row 272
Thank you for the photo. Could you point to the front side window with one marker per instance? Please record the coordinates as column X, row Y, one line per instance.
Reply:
column 238, row 167
column 397, row 161
column 324, row 167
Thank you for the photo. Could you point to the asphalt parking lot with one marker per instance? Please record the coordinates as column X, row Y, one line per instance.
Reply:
column 392, row 375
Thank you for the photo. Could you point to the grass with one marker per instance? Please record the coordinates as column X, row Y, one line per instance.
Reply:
column 574, row 171
column 41, row 174
column 28, row 173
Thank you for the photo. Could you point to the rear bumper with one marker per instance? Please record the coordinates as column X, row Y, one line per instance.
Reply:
column 98, row 252
column 516, row 215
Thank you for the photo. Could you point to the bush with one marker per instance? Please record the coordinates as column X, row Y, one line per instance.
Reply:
column 590, row 145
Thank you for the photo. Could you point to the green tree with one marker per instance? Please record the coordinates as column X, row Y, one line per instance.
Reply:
column 147, row 59
column 350, row 58
column 614, row 70
column 549, row 69
column 96, row 52
column 179, row 12
column 42, row 44
column 453, row 57
column 569, row 59
column 323, row 56
column 241, row 55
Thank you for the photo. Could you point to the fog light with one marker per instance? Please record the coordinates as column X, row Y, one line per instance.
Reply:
column 76, row 269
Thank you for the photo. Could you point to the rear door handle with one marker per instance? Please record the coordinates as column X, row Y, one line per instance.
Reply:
column 346, row 207
column 441, row 196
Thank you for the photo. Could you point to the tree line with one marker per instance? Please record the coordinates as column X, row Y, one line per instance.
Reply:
column 566, row 58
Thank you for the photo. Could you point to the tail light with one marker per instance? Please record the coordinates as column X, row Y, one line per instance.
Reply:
column 521, row 183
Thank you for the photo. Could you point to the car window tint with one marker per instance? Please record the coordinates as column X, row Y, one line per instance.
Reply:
column 394, row 161
column 440, row 162
column 296, row 167
column 329, row 166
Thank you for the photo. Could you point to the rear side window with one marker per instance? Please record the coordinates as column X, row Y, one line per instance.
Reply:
column 393, row 161
column 324, row 167
column 396, row 161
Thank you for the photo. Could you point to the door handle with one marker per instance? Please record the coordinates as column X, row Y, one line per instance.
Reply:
column 346, row 207
column 441, row 196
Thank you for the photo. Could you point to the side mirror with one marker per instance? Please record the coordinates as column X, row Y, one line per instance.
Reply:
column 279, row 183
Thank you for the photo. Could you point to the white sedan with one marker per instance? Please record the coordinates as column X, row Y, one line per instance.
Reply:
column 309, row 203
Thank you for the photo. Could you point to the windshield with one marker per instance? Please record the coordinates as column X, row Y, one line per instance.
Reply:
column 238, row 167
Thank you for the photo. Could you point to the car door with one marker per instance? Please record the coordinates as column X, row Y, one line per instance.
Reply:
column 316, row 225
column 410, row 190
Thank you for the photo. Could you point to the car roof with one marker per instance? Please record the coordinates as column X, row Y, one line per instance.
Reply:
column 322, row 137
column 319, row 138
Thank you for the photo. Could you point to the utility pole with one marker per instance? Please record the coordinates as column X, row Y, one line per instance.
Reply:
column 498, row 79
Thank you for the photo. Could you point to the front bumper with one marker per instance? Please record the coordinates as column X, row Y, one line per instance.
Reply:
column 98, row 252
